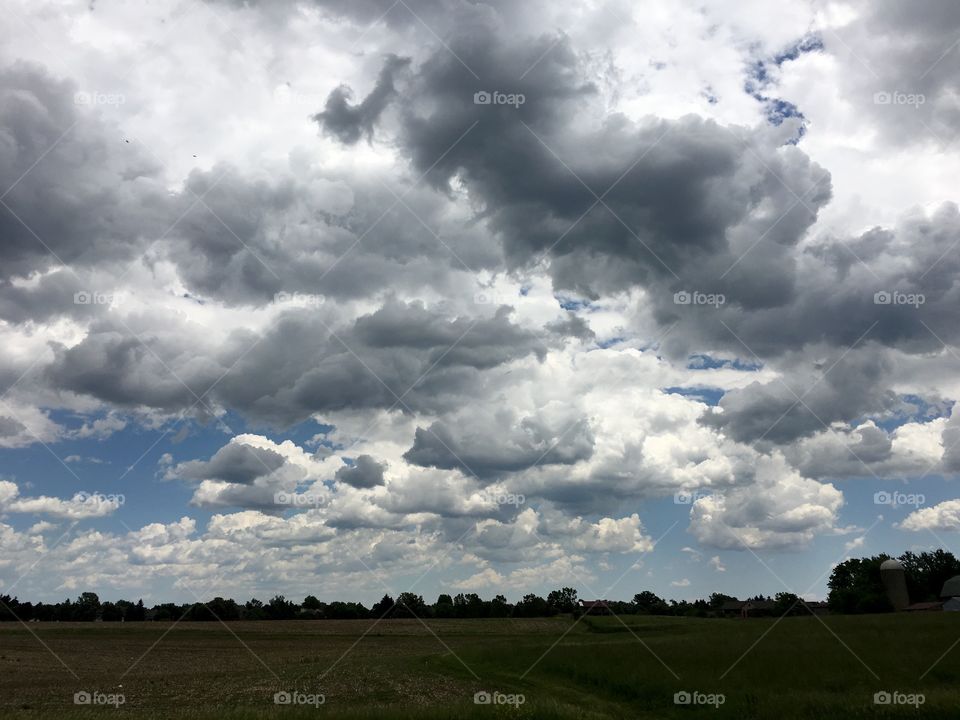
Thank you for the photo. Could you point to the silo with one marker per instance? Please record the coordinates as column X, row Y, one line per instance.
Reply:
column 895, row 582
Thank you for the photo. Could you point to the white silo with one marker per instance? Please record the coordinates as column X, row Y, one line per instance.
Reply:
column 895, row 582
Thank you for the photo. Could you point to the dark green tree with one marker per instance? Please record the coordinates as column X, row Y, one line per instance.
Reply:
column 563, row 600
column 855, row 587
column 927, row 572
column 650, row 603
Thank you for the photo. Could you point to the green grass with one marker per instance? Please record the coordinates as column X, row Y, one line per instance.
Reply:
column 801, row 667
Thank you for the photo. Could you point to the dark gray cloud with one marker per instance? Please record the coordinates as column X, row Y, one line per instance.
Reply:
column 74, row 191
column 235, row 463
column 478, row 446
column 680, row 198
column 571, row 326
column 81, row 192
column 305, row 363
column 366, row 472
column 800, row 405
column 348, row 123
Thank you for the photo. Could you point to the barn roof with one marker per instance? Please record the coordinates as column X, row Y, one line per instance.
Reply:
column 951, row 588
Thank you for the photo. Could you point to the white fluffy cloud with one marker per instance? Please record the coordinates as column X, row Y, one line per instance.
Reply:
column 942, row 517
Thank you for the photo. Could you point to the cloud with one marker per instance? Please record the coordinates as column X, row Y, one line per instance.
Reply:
column 944, row 517
column 482, row 306
column 349, row 123
column 236, row 463
column 782, row 510
column 81, row 506
column 499, row 442
column 365, row 473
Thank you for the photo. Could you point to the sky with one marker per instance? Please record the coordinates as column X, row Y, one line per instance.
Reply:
column 347, row 298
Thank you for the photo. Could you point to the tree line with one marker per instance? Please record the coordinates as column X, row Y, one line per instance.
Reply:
column 88, row 607
column 855, row 587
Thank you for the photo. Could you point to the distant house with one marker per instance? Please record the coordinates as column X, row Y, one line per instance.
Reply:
column 747, row 608
column 818, row 608
column 595, row 607
column 732, row 608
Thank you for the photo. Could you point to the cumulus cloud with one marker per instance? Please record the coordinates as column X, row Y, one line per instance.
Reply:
column 782, row 510
column 516, row 323
column 944, row 517
column 365, row 473
column 350, row 122
column 80, row 506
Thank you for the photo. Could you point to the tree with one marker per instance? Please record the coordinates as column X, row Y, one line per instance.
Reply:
column 856, row 587
column 136, row 613
column 348, row 611
column 443, row 608
column 563, row 600
column 717, row 600
column 410, row 605
column 927, row 572
column 87, row 606
column 279, row 608
column 786, row 603
column 469, row 606
column 253, row 610
column 499, row 607
column 532, row 606
column 311, row 603
column 650, row 603
column 111, row 612
column 383, row 607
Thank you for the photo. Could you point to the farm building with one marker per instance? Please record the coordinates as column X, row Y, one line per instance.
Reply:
column 952, row 605
column 595, row 607
column 951, row 588
column 747, row 608
column 950, row 594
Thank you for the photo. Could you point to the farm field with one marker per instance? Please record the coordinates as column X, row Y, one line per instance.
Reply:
column 798, row 667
